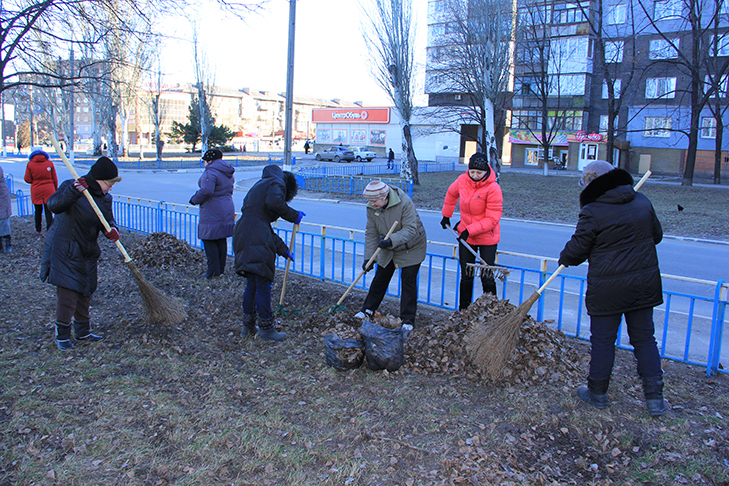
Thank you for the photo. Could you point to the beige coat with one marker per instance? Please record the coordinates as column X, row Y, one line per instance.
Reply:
column 409, row 242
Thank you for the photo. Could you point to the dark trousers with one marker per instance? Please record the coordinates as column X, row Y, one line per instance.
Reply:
column 488, row 284
column 216, row 252
column 257, row 296
column 39, row 208
column 604, row 333
column 408, row 294
column 70, row 304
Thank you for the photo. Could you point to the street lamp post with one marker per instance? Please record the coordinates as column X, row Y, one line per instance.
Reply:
column 289, row 87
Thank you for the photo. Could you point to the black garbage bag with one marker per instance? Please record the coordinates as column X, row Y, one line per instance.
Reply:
column 343, row 354
column 383, row 347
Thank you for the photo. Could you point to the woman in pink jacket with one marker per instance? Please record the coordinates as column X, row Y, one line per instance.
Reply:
column 41, row 175
column 481, row 206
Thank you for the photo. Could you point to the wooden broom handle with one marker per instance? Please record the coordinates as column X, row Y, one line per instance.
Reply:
column 369, row 262
column 562, row 267
column 288, row 262
column 89, row 197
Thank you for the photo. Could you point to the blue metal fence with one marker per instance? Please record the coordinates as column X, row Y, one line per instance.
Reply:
column 345, row 185
column 689, row 326
column 191, row 163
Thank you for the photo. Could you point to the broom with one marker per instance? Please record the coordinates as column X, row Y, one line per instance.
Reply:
column 369, row 263
column 490, row 344
column 286, row 272
column 159, row 307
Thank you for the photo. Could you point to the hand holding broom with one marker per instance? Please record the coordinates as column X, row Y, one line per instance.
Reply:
column 159, row 308
column 490, row 346
column 365, row 269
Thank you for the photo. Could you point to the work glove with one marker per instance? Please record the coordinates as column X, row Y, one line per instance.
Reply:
column 464, row 235
column 289, row 255
column 300, row 217
column 562, row 262
column 80, row 184
column 365, row 267
column 112, row 234
column 445, row 222
column 385, row 243
column 191, row 203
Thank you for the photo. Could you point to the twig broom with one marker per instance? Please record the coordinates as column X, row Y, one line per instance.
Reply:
column 159, row 308
column 369, row 264
column 490, row 344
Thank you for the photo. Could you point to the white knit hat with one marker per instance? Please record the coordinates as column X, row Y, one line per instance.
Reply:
column 376, row 190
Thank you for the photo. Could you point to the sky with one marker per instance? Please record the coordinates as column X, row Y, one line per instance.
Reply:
column 330, row 55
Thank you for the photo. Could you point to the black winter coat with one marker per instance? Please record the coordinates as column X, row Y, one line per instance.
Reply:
column 617, row 233
column 70, row 250
column 254, row 242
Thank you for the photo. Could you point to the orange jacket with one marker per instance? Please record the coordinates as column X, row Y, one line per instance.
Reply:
column 481, row 205
column 41, row 175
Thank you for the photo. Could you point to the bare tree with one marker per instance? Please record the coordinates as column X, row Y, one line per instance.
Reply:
column 717, row 86
column 204, row 87
column 390, row 34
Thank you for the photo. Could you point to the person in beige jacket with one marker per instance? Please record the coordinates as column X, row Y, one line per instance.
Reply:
column 404, row 249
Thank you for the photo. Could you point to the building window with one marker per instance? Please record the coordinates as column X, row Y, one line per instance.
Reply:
column 663, row 49
column 614, row 51
column 657, row 126
column 722, row 86
column 458, row 97
column 570, row 121
column 708, row 127
column 616, row 89
column 723, row 7
column 721, row 46
column 526, row 120
column 604, row 123
column 667, row 9
column 660, row 88
column 570, row 13
column 616, row 14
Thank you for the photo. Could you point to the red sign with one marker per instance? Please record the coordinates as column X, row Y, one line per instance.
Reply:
column 350, row 115
column 590, row 137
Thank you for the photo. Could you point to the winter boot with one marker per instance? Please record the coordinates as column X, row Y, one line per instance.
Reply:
column 8, row 248
column 82, row 332
column 653, row 391
column 268, row 331
column 63, row 336
column 595, row 393
column 249, row 326
column 2, row 247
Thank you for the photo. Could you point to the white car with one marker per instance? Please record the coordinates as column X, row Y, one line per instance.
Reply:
column 362, row 153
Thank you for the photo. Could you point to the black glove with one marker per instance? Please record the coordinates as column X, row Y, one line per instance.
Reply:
column 446, row 221
column 385, row 243
column 562, row 262
column 464, row 235
column 365, row 267
column 456, row 226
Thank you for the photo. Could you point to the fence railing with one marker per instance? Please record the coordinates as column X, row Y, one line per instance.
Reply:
column 689, row 325
column 192, row 163
column 345, row 185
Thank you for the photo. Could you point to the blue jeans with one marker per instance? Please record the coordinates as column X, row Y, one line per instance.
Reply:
column 604, row 333
column 257, row 296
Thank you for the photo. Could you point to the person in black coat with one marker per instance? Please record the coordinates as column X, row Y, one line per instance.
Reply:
column 256, row 245
column 617, row 233
column 71, row 250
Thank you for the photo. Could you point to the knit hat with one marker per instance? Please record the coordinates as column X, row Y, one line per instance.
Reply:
column 104, row 170
column 376, row 190
column 212, row 154
column 479, row 161
column 593, row 170
column 38, row 152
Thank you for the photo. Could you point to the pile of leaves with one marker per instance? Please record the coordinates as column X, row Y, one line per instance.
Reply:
column 163, row 250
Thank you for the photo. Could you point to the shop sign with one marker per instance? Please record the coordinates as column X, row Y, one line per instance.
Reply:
column 350, row 115
column 588, row 137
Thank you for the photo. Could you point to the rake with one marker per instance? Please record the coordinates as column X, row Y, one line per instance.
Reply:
column 159, row 308
column 369, row 264
column 286, row 272
column 482, row 268
column 490, row 344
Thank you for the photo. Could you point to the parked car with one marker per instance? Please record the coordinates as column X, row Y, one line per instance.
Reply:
column 363, row 153
column 336, row 154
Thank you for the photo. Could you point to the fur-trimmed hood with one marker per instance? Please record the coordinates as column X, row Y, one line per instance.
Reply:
column 606, row 182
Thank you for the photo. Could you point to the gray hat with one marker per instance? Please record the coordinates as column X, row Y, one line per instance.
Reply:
column 593, row 170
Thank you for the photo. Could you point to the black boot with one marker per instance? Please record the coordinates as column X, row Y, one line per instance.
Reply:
column 2, row 247
column 268, row 331
column 82, row 332
column 249, row 326
column 595, row 393
column 63, row 336
column 653, row 391
column 8, row 247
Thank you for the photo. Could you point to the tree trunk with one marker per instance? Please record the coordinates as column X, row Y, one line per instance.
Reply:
column 717, row 149
column 409, row 165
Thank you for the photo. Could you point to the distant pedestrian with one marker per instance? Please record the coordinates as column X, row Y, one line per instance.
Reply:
column 391, row 159
column 41, row 175
column 5, row 213
column 256, row 245
column 217, row 211
column 306, row 147
column 617, row 233
column 71, row 251
column 404, row 249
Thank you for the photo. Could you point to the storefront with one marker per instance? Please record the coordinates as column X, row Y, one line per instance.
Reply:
column 568, row 150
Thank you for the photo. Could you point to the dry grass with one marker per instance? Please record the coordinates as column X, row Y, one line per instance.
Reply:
column 192, row 404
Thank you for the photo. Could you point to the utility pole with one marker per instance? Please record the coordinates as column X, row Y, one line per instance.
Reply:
column 289, row 108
